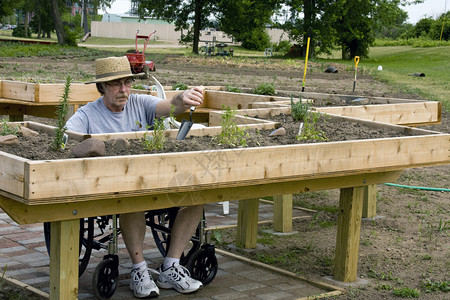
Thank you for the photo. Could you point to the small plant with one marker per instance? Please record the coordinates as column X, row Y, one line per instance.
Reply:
column 299, row 110
column 231, row 134
column 309, row 131
column 59, row 140
column 233, row 89
column 264, row 89
column 158, row 139
column 179, row 86
column 7, row 128
column 406, row 292
column 435, row 286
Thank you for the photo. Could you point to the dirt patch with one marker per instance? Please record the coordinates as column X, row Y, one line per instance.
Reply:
column 407, row 246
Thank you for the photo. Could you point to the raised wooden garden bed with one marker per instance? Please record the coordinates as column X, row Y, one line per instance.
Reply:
column 62, row 191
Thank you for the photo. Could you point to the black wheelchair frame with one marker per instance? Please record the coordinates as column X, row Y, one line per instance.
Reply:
column 199, row 259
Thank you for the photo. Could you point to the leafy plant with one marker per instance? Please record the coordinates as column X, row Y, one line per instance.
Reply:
column 406, row 292
column 231, row 134
column 233, row 89
column 7, row 128
column 59, row 140
column 158, row 139
column 434, row 286
column 299, row 110
column 179, row 86
column 264, row 89
column 309, row 131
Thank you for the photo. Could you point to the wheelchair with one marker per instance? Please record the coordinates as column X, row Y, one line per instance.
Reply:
column 199, row 257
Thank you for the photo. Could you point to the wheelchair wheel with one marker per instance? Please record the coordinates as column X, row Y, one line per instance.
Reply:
column 161, row 222
column 106, row 277
column 203, row 264
column 86, row 242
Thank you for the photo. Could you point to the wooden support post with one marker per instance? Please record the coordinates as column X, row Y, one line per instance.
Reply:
column 64, row 243
column 247, row 223
column 370, row 201
column 282, row 213
column 348, row 234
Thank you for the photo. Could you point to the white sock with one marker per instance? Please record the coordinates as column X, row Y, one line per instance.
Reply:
column 138, row 265
column 169, row 261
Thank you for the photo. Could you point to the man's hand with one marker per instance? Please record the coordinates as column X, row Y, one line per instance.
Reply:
column 193, row 97
column 181, row 102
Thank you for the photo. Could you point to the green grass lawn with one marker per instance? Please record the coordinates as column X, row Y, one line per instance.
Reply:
column 400, row 61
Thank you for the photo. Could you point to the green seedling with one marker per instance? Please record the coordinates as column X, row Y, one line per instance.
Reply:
column 156, row 140
column 406, row 292
column 59, row 142
column 308, row 131
column 7, row 128
column 231, row 134
column 299, row 109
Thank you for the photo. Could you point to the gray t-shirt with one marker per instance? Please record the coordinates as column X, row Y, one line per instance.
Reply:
column 94, row 117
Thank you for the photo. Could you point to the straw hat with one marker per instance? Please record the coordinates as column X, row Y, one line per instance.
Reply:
column 112, row 68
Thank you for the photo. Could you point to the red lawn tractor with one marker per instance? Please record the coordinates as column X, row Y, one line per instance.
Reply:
column 137, row 58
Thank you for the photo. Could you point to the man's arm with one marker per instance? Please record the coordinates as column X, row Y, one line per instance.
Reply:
column 181, row 102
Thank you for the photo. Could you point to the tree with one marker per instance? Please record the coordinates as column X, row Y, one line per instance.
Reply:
column 184, row 13
column 312, row 19
column 247, row 20
column 7, row 8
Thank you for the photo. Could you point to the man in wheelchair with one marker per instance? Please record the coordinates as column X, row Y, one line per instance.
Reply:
column 119, row 111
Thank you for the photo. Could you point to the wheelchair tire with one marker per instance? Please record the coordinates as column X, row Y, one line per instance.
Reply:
column 106, row 277
column 86, row 242
column 203, row 264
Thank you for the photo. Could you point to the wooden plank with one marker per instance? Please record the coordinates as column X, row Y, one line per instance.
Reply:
column 230, row 167
column 55, row 209
column 12, row 173
column 215, row 99
column 215, row 119
column 282, row 213
column 64, row 243
column 247, row 223
column 348, row 234
column 401, row 114
column 79, row 92
column 18, row 90
column 370, row 201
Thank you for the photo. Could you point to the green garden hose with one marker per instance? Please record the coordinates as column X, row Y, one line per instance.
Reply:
column 419, row 187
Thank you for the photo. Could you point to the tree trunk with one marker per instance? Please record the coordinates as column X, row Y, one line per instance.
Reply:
column 59, row 28
column 197, row 25
column 309, row 12
column 85, row 18
column 27, row 21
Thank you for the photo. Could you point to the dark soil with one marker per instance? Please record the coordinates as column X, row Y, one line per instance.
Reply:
column 327, row 129
column 406, row 247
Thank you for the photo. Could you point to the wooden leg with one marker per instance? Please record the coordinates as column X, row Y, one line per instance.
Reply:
column 64, row 243
column 348, row 234
column 282, row 213
column 247, row 225
column 370, row 201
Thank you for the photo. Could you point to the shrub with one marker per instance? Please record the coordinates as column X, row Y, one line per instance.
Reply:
column 179, row 86
column 19, row 31
column 264, row 89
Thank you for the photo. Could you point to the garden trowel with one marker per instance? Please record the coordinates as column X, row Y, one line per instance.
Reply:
column 185, row 125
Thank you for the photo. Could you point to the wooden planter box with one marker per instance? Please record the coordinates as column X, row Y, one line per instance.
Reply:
column 62, row 191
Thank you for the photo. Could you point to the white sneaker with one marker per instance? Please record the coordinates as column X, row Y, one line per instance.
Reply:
column 142, row 283
column 177, row 277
